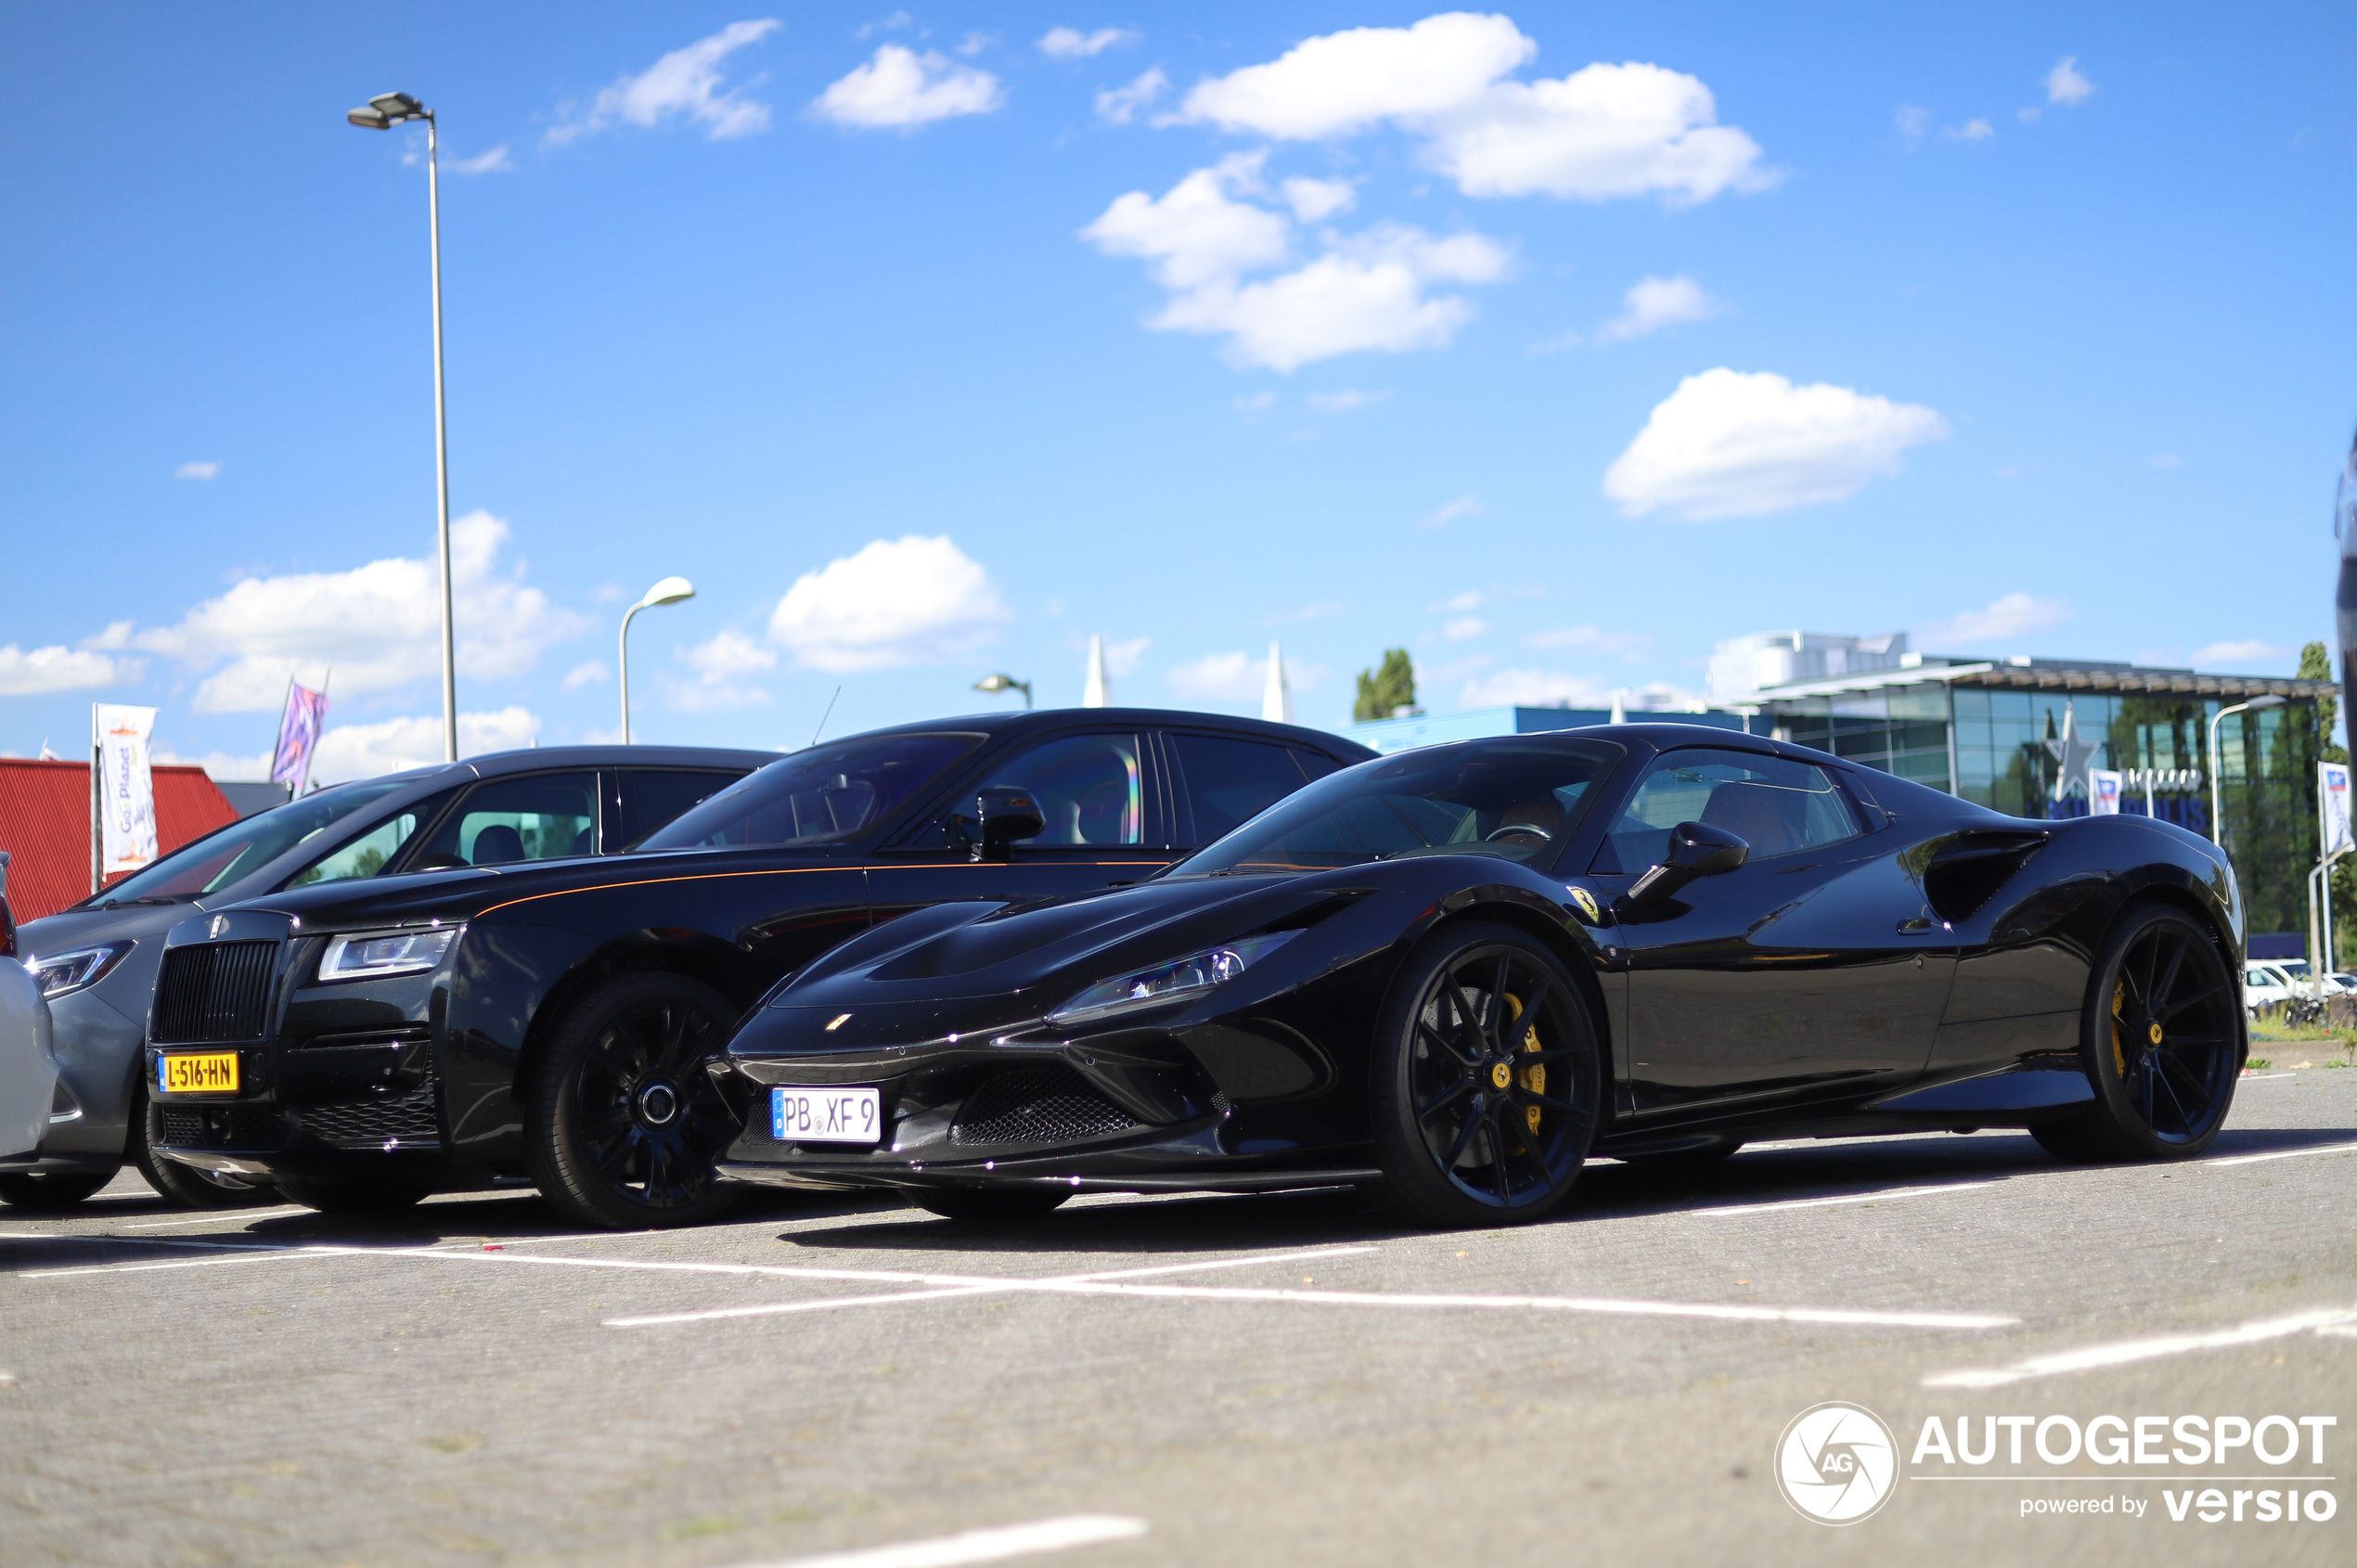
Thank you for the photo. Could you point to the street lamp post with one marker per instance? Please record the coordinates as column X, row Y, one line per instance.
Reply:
column 2256, row 705
column 671, row 590
column 382, row 113
column 996, row 684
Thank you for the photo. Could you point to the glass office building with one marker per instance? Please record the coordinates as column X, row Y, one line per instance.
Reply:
column 2018, row 736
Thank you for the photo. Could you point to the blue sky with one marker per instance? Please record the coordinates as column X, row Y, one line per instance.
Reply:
column 1554, row 344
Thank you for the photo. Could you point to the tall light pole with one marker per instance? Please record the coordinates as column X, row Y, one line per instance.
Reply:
column 999, row 683
column 2256, row 705
column 671, row 590
column 382, row 113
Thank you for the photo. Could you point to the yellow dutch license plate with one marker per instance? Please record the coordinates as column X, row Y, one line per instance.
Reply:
column 211, row 1073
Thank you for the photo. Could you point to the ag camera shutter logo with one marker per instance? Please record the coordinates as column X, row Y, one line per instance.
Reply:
column 1836, row 1463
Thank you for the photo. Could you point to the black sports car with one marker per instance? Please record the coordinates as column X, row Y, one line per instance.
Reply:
column 1453, row 974
column 361, row 1043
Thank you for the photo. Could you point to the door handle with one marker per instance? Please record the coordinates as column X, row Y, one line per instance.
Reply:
column 1915, row 927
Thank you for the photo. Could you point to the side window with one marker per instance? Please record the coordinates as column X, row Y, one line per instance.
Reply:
column 545, row 816
column 1775, row 806
column 364, row 856
column 1227, row 783
column 1315, row 764
column 1090, row 789
column 652, row 797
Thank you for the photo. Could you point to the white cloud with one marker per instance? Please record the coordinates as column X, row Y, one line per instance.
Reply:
column 684, row 84
column 1366, row 291
column 1120, row 104
column 1071, row 43
column 1534, row 688
column 1730, row 445
column 379, row 625
column 903, row 601
column 1307, row 612
column 2066, row 85
column 1344, row 401
column 1257, row 402
column 224, row 766
column 1464, row 627
column 363, row 750
column 1913, row 121
column 1238, row 677
column 1652, row 303
column 1589, row 639
column 2014, row 615
column 494, row 161
column 58, row 668
column 1315, row 200
column 1970, row 131
column 589, row 672
column 719, row 666
column 1469, row 599
column 1121, row 658
column 1449, row 511
column 901, row 89
column 197, row 471
column 1602, row 131
column 2249, row 650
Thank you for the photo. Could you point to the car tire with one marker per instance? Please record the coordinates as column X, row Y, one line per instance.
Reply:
column 1466, row 1129
column 623, row 1127
column 184, row 1186
column 351, row 1197
column 2159, row 1041
column 51, row 1189
column 989, row 1205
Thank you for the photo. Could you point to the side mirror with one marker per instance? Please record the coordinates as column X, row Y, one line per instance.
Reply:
column 1002, row 817
column 1696, row 850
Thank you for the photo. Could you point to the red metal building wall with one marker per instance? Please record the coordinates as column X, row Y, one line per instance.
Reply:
column 44, row 826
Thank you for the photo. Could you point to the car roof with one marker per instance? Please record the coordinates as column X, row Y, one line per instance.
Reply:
column 1007, row 724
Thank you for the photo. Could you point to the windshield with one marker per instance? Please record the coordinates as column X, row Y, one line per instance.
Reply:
column 817, row 796
column 1519, row 799
column 240, row 848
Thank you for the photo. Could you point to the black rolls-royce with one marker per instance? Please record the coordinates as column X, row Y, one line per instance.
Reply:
column 360, row 1045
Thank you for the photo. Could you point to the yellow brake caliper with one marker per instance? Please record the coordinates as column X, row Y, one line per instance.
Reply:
column 2119, row 1051
column 1534, row 1077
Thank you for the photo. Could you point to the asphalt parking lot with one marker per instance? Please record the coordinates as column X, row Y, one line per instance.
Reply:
column 1200, row 1379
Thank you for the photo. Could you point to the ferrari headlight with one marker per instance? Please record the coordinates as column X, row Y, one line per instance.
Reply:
column 1185, row 977
column 375, row 954
column 61, row 974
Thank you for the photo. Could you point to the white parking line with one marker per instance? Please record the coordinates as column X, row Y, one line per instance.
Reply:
column 1882, row 1197
column 2330, row 1320
column 2281, row 1155
column 1726, row 1312
column 994, row 1545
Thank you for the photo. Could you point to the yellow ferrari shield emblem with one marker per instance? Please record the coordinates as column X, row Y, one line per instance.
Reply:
column 1587, row 901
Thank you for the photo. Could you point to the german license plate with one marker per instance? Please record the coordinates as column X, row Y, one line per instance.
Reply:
column 211, row 1073
column 826, row 1116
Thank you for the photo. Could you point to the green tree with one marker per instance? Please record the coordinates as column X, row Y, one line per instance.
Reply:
column 1388, row 688
column 2315, row 664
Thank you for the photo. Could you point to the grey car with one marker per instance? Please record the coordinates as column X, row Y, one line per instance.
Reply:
column 96, row 961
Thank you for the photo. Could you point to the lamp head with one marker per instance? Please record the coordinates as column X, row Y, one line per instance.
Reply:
column 2260, row 704
column 369, row 118
column 671, row 590
column 993, row 684
column 397, row 106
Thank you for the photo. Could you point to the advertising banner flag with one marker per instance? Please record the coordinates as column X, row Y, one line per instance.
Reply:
column 2332, row 804
column 299, row 729
column 126, row 794
column 2102, row 791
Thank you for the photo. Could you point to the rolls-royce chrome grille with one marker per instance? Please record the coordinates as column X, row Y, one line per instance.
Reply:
column 220, row 991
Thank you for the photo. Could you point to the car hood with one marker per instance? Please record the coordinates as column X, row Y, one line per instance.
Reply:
column 961, row 950
column 70, row 929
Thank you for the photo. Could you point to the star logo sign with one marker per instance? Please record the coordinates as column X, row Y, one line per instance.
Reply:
column 1836, row 1463
column 2071, row 755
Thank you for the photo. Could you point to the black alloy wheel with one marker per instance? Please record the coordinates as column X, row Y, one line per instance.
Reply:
column 626, row 1124
column 184, row 1186
column 1487, row 1081
column 2161, row 1040
column 51, row 1189
column 989, row 1205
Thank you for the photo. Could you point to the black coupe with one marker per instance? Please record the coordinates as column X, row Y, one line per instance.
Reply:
column 362, row 1043
column 1452, row 975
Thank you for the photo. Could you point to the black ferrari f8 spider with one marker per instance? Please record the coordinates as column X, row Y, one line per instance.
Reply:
column 1454, row 975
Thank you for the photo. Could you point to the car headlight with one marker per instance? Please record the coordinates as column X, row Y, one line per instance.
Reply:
column 1185, row 977
column 61, row 974
column 371, row 954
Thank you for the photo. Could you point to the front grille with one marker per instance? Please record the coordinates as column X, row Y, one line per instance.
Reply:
column 413, row 1116
column 221, row 1126
column 1036, row 1105
column 220, row 991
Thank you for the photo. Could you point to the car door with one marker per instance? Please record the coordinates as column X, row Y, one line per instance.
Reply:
column 1816, row 964
column 1101, row 794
